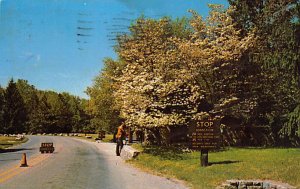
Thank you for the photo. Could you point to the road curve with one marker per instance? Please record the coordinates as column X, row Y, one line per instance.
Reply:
column 76, row 164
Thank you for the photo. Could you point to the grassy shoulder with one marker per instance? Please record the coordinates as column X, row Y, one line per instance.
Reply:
column 6, row 142
column 234, row 163
column 92, row 137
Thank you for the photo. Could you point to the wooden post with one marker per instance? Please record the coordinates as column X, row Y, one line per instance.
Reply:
column 129, row 135
column 142, row 136
column 204, row 158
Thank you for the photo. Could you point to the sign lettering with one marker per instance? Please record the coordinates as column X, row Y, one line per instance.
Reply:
column 205, row 134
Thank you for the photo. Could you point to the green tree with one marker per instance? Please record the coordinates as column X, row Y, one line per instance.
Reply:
column 30, row 96
column 15, row 115
column 105, row 116
column 76, row 111
column 277, row 28
column 39, row 117
column 1, row 109
column 58, row 112
column 82, row 117
column 278, row 55
column 60, row 116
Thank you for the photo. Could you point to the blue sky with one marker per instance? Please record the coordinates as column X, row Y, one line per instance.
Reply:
column 60, row 44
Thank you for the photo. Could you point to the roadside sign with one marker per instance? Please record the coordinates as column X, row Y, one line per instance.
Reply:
column 47, row 147
column 205, row 135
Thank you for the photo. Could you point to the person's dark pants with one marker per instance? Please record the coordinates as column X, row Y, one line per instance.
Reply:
column 119, row 146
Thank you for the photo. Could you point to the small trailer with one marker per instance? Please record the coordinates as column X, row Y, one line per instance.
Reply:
column 47, row 147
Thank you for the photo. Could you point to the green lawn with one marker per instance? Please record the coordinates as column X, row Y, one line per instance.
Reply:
column 234, row 163
column 6, row 142
column 108, row 137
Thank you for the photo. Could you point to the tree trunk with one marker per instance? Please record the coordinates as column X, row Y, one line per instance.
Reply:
column 165, row 135
column 157, row 135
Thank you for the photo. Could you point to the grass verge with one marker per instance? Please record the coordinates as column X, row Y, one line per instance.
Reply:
column 6, row 142
column 277, row 164
column 108, row 137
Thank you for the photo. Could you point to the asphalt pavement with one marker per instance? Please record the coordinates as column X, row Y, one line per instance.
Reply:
column 75, row 164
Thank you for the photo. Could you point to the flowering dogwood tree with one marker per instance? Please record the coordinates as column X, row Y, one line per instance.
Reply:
column 213, row 55
column 177, row 72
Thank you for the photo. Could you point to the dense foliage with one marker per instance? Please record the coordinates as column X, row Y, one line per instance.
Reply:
column 278, row 54
column 23, row 108
column 101, row 104
column 240, row 64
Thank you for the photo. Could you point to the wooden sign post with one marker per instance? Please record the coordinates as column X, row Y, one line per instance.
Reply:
column 129, row 135
column 205, row 136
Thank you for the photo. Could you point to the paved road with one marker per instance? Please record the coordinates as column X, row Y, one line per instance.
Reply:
column 75, row 164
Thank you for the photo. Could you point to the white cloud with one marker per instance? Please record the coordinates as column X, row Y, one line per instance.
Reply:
column 29, row 56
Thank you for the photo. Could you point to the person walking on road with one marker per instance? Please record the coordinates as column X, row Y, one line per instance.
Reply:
column 121, row 135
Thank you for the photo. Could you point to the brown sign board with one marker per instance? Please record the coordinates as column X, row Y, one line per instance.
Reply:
column 205, row 134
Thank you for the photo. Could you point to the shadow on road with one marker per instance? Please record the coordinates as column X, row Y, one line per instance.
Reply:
column 14, row 150
column 223, row 162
